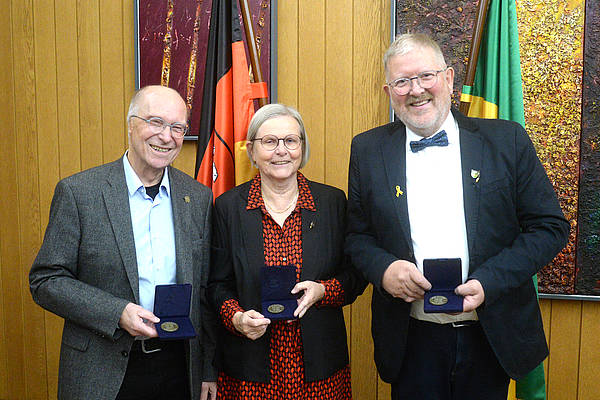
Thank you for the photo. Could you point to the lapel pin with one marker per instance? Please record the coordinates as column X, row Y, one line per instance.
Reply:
column 475, row 175
column 186, row 199
column 398, row 191
column 312, row 225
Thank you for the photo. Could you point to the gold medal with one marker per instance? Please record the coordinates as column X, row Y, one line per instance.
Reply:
column 169, row 326
column 276, row 308
column 438, row 300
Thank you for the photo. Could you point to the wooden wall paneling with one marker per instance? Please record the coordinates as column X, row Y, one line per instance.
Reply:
column 27, row 321
column 338, row 103
column 67, row 93
column 186, row 160
column 371, row 38
column 564, row 356
column 369, row 109
column 128, row 49
column 3, row 357
column 546, row 311
column 384, row 390
column 311, row 82
column 90, row 102
column 3, row 333
column 111, row 72
column 589, row 357
column 362, row 364
column 338, row 91
column 287, row 52
column 40, row 385
column 9, row 245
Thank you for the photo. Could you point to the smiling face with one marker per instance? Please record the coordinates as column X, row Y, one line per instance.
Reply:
column 149, row 153
column 280, row 164
column 422, row 110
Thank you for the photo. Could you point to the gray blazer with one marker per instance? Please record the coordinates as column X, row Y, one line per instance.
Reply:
column 86, row 272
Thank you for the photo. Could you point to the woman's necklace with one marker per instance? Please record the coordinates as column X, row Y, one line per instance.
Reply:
column 286, row 209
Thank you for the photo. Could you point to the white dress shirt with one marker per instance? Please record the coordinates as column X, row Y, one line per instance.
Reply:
column 152, row 222
column 434, row 192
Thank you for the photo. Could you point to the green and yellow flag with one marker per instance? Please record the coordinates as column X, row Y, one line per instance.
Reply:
column 497, row 92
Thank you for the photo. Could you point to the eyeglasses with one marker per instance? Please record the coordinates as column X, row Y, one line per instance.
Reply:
column 270, row 142
column 157, row 125
column 426, row 80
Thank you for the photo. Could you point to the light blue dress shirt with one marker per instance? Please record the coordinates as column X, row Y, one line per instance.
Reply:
column 152, row 222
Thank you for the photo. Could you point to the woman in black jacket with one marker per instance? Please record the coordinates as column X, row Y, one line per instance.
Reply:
column 278, row 232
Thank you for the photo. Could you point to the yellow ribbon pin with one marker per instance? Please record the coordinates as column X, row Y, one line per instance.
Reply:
column 398, row 191
column 475, row 175
column 186, row 199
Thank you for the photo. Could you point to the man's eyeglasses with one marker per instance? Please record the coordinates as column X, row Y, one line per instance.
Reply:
column 157, row 125
column 426, row 80
column 270, row 142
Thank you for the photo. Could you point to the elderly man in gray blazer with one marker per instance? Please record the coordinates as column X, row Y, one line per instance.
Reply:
column 114, row 233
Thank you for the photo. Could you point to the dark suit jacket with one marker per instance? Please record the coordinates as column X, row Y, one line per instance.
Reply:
column 514, row 227
column 86, row 272
column 235, row 274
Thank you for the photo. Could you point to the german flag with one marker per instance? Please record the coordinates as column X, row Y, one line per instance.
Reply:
column 227, row 103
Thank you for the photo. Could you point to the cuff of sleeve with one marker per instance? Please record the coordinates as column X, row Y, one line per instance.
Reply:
column 228, row 310
column 334, row 294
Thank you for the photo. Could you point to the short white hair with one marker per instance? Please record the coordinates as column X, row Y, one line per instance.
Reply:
column 409, row 41
column 275, row 110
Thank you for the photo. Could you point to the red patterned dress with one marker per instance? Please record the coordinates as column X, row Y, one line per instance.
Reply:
column 283, row 245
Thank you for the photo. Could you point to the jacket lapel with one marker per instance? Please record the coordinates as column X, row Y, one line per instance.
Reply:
column 394, row 159
column 181, row 205
column 471, row 153
column 252, row 233
column 116, row 200
column 312, row 233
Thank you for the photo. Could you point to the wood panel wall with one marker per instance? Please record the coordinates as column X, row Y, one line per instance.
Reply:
column 66, row 76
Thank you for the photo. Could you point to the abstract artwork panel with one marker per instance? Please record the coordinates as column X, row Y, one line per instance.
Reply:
column 172, row 38
column 556, row 88
column 588, row 221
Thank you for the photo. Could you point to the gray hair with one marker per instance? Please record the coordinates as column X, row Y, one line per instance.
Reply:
column 269, row 111
column 409, row 41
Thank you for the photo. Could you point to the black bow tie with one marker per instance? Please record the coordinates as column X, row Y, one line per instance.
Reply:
column 439, row 139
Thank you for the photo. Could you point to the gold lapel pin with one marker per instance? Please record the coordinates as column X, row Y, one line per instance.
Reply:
column 312, row 224
column 475, row 175
column 186, row 199
column 398, row 191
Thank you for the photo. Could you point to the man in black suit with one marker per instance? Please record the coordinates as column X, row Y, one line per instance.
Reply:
column 438, row 185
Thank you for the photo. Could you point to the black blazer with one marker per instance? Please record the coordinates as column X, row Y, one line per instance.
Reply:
column 514, row 227
column 235, row 274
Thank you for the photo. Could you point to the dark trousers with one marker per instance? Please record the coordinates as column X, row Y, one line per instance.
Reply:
column 443, row 362
column 156, row 376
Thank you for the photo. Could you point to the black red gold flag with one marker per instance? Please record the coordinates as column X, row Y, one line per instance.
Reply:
column 227, row 103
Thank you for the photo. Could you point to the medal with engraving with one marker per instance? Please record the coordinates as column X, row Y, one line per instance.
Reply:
column 169, row 326
column 276, row 308
column 438, row 300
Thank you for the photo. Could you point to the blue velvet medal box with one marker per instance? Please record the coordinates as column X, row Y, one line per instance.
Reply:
column 445, row 275
column 172, row 306
column 277, row 300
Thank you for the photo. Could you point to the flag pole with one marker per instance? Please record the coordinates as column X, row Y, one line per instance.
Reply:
column 254, row 57
column 482, row 9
